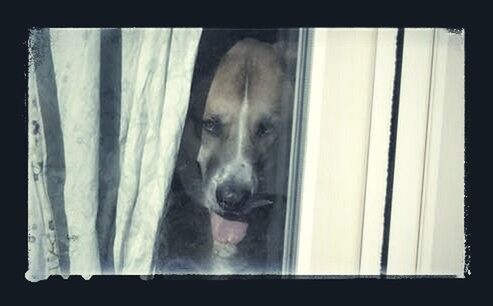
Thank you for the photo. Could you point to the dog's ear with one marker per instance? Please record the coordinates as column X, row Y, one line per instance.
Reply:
column 287, row 53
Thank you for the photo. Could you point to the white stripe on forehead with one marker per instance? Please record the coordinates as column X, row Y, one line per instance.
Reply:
column 242, row 121
column 238, row 167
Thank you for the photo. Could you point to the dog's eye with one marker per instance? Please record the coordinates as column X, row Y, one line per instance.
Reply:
column 264, row 129
column 212, row 126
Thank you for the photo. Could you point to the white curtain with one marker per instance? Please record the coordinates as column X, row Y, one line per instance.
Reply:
column 79, row 209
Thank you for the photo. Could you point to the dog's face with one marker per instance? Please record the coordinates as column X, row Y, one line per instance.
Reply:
column 242, row 120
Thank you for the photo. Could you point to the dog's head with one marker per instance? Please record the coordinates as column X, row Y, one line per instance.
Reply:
column 241, row 123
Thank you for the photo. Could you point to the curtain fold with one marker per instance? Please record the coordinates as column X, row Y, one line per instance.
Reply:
column 154, row 106
column 42, row 246
column 76, row 66
column 121, row 112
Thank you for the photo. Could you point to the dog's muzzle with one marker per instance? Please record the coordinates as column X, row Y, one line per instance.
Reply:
column 236, row 201
column 232, row 197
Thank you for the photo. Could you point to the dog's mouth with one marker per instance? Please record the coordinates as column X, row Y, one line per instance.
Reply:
column 227, row 230
column 231, row 227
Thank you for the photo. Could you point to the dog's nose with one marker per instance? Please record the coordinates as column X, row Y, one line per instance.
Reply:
column 232, row 196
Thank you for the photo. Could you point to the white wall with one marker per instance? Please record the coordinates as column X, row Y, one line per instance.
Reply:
column 427, row 227
column 410, row 150
column 336, row 153
column 442, row 226
column 345, row 162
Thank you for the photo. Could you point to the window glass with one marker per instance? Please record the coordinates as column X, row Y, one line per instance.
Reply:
column 226, row 212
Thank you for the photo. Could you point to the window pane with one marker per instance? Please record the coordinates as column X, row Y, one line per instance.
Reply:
column 227, row 207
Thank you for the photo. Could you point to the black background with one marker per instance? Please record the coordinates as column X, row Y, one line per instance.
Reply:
column 240, row 14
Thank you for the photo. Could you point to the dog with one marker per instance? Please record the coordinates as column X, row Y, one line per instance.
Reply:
column 218, row 211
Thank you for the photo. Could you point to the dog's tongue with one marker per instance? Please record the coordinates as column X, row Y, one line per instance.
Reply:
column 227, row 231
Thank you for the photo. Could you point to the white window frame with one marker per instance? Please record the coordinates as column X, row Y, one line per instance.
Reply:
column 374, row 51
column 427, row 227
column 418, row 241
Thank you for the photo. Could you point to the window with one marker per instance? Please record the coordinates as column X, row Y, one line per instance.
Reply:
column 320, row 151
column 235, row 152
